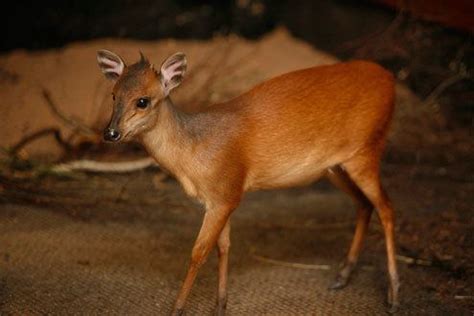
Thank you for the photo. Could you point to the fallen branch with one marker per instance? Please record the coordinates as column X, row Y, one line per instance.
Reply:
column 374, row 40
column 460, row 72
column 312, row 226
column 44, row 132
column 414, row 261
column 68, row 120
column 400, row 258
column 434, row 95
column 104, row 167
column 292, row 264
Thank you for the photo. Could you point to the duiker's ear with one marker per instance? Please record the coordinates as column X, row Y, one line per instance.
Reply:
column 111, row 64
column 172, row 72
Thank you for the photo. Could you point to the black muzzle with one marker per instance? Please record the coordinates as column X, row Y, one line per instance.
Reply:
column 111, row 135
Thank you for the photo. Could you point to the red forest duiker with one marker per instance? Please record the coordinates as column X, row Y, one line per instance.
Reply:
column 328, row 121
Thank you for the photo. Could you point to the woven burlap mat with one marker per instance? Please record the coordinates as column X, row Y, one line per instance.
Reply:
column 54, row 261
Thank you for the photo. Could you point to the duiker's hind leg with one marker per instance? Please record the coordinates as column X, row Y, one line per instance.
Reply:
column 341, row 179
column 364, row 171
column 223, row 244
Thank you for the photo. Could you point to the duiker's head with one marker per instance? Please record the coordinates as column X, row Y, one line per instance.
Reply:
column 139, row 89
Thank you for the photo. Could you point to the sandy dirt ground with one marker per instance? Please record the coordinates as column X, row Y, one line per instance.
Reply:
column 119, row 244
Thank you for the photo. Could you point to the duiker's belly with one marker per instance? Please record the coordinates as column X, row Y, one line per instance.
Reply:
column 295, row 168
column 281, row 174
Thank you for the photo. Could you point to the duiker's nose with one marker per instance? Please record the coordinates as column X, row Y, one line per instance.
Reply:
column 111, row 135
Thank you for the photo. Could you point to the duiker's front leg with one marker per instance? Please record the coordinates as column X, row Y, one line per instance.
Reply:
column 213, row 224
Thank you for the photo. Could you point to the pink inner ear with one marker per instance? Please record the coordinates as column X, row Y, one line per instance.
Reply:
column 170, row 71
column 108, row 62
column 110, row 65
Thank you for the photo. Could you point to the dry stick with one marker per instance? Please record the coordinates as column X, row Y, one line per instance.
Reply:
column 459, row 75
column 69, row 121
column 414, row 261
column 99, row 166
column 307, row 227
column 376, row 36
column 431, row 98
column 400, row 258
column 292, row 264
column 460, row 53
column 44, row 132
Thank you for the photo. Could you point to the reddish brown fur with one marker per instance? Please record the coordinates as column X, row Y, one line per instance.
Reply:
column 290, row 130
column 308, row 120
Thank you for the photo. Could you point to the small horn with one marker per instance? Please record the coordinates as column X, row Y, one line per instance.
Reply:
column 143, row 59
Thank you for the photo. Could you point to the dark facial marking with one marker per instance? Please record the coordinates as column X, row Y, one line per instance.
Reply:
column 116, row 116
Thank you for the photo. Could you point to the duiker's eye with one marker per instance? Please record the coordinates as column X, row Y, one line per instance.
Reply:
column 142, row 103
column 113, row 97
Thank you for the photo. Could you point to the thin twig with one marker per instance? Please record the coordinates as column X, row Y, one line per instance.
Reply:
column 71, row 122
column 292, row 264
column 312, row 226
column 377, row 36
column 44, row 132
column 434, row 95
column 459, row 73
column 104, row 167
column 414, row 261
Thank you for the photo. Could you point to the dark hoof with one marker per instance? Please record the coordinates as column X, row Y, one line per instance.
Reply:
column 343, row 276
column 221, row 307
column 392, row 296
column 220, row 311
column 339, row 283
column 178, row 312
column 393, row 308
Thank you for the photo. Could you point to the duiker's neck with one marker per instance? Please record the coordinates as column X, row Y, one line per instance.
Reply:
column 174, row 132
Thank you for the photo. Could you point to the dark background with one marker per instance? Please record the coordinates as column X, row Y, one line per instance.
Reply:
column 40, row 25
